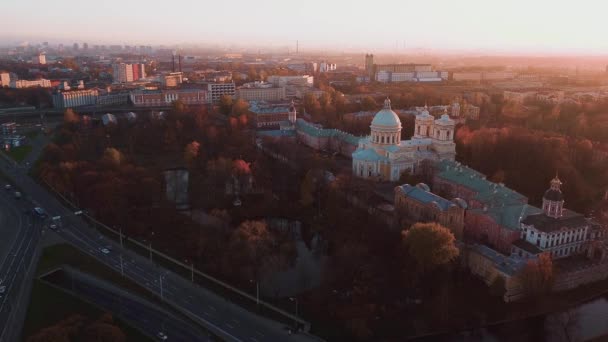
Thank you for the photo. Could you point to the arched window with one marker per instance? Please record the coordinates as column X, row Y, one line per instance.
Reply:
column 449, row 134
column 437, row 134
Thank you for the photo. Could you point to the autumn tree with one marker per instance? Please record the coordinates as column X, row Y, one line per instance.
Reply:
column 191, row 153
column 178, row 106
column 368, row 103
column 112, row 156
column 430, row 244
column 240, row 107
column 70, row 117
column 537, row 276
column 226, row 104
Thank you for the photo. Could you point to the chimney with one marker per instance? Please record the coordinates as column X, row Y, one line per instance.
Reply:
column 173, row 60
column 179, row 61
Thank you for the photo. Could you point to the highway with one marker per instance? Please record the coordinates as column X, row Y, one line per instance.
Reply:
column 16, row 262
column 136, row 311
column 225, row 319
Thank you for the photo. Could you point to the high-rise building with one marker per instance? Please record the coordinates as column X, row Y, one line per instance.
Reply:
column 5, row 79
column 75, row 47
column 123, row 72
column 216, row 90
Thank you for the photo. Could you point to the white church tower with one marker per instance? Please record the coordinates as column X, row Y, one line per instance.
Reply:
column 443, row 137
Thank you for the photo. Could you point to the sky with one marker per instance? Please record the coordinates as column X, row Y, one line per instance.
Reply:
column 535, row 26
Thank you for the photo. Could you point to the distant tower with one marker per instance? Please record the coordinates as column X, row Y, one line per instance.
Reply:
column 297, row 46
column 292, row 116
column 369, row 65
column 455, row 109
column 553, row 199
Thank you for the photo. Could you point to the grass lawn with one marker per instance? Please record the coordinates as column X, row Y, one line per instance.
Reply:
column 18, row 154
column 49, row 305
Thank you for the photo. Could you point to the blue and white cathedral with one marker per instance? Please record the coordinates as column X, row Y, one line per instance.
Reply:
column 384, row 156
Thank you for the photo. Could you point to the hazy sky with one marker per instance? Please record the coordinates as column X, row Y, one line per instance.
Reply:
column 553, row 26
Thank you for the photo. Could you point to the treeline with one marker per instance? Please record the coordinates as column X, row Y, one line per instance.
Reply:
column 525, row 160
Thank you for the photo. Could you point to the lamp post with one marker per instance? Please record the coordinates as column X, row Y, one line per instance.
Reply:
column 257, row 291
column 150, row 245
column 295, row 319
column 161, row 288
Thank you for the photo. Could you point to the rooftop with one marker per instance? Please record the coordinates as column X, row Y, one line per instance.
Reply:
column 489, row 193
column 544, row 223
column 509, row 216
column 421, row 195
column 526, row 246
column 505, row 264
column 367, row 154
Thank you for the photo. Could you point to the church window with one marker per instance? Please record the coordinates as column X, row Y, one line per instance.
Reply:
column 449, row 134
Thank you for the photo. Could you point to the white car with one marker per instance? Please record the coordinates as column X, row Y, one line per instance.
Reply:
column 53, row 226
column 161, row 336
column 8, row 187
column 104, row 250
column 2, row 289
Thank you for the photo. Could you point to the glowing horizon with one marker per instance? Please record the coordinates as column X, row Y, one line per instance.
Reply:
column 539, row 26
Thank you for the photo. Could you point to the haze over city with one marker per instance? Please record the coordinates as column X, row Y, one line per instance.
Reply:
column 516, row 27
column 303, row 171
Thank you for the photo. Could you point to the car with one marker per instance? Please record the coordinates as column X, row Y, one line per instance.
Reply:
column 7, row 187
column 40, row 212
column 161, row 336
column 237, row 202
column 17, row 195
column 53, row 226
column 2, row 289
column 104, row 250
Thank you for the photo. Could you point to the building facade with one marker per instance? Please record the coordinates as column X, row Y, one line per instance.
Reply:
column 5, row 79
column 19, row 84
column 254, row 93
column 556, row 230
column 162, row 98
column 217, row 90
column 70, row 99
column 384, row 156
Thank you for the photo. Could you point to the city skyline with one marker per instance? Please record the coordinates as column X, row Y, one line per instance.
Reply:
column 540, row 27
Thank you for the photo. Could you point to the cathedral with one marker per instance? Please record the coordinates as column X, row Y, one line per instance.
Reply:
column 384, row 156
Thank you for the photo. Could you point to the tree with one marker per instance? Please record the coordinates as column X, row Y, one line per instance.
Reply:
column 191, row 152
column 368, row 103
column 225, row 104
column 240, row 107
column 178, row 106
column 112, row 156
column 70, row 117
column 537, row 276
column 430, row 244
column 307, row 189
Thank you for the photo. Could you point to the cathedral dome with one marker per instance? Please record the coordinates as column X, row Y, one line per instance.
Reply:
column 387, row 117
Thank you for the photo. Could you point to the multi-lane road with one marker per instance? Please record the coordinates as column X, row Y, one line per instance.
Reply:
column 224, row 319
column 136, row 311
column 18, row 249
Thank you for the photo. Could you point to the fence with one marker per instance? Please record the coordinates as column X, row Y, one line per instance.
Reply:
column 189, row 268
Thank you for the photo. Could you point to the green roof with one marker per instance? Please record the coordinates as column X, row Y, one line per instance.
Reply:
column 509, row 216
column 489, row 193
column 312, row 130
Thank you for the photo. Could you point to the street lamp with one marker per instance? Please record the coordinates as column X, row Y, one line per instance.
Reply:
column 295, row 319
column 150, row 245
column 257, row 291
